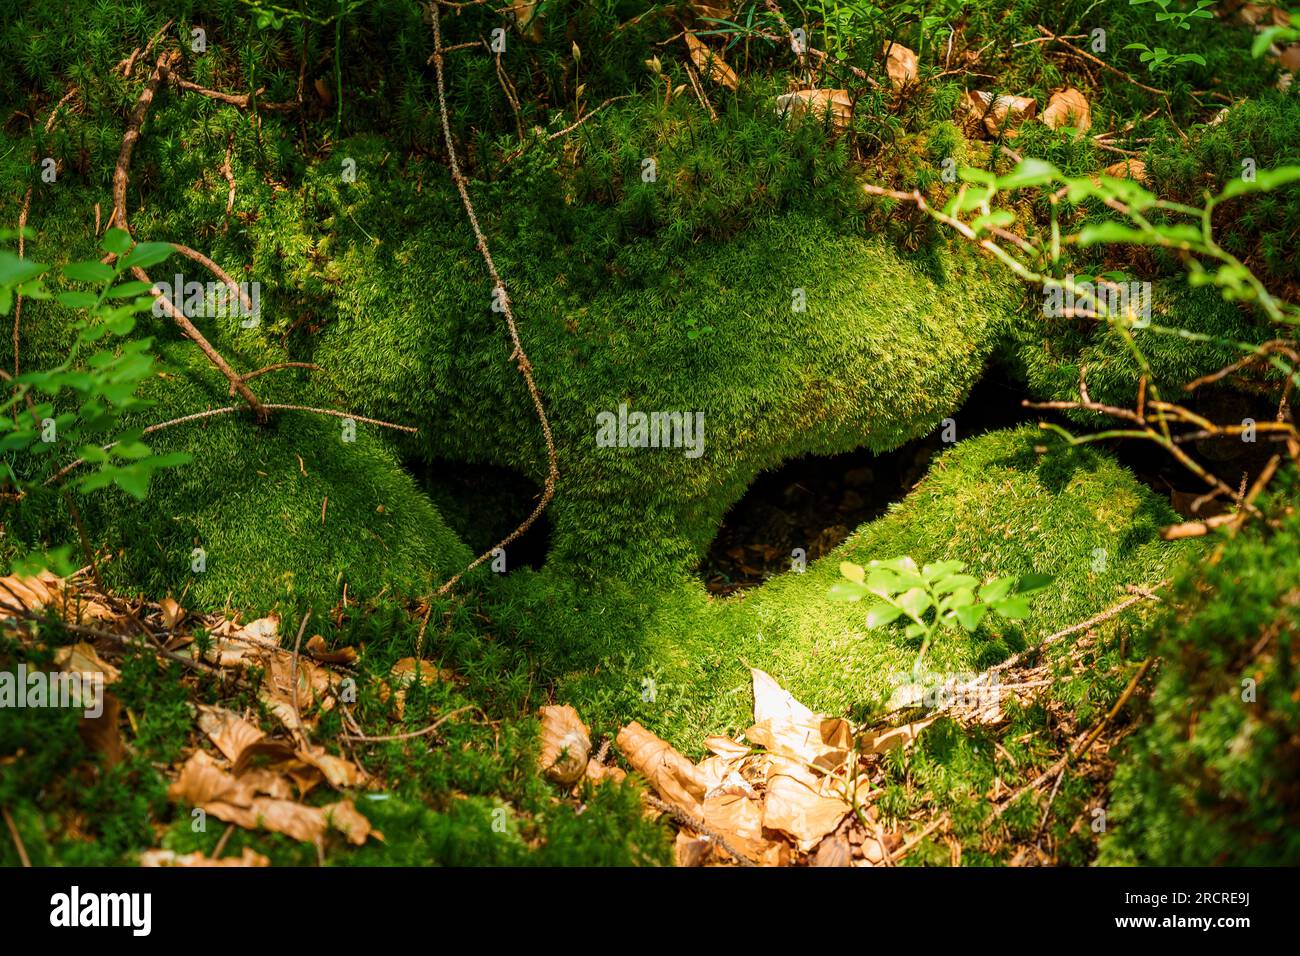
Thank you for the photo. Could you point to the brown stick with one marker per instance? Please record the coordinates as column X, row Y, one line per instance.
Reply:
column 699, row 826
column 18, row 840
column 118, row 218
column 499, row 289
column 366, row 739
column 241, row 100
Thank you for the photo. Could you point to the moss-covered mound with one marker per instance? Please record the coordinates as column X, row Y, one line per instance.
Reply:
column 1214, row 777
column 676, row 659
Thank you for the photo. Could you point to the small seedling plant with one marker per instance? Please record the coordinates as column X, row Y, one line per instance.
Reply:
column 935, row 598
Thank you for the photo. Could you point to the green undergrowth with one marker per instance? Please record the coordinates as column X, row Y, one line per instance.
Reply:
column 469, row 795
column 1212, row 778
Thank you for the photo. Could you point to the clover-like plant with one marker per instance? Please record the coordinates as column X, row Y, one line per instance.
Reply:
column 935, row 597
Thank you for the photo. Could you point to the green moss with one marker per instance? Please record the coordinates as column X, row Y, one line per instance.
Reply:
column 1212, row 778
column 993, row 501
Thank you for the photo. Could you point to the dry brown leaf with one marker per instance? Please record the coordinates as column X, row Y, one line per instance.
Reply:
column 348, row 820
column 172, row 612
column 738, row 817
column 566, row 744
column 339, row 772
column 717, row 11
column 674, row 777
column 692, row 851
column 797, row 803
column 900, row 64
column 993, row 115
column 891, row 738
column 600, row 772
column 785, row 726
column 1068, row 107
column 838, row 103
column 527, row 18
column 48, row 590
column 1133, row 169
column 726, row 748
column 710, row 63
column 229, row 732
column 82, row 658
column 249, row 857
column 318, row 649
column 102, row 734
column 834, row 850
column 279, row 816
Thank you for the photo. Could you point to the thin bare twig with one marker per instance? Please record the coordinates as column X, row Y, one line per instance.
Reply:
column 503, row 297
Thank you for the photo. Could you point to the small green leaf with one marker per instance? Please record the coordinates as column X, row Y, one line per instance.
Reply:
column 996, row 590
column 89, row 271
column 1012, row 607
column 854, row 572
column 969, row 617
column 878, row 615
column 915, row 602
column 847, row 591
column 116, row 241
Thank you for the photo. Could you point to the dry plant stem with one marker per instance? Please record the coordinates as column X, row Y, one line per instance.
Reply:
column 18, row 840
column 217, row 271
column 120, row 640
column 229, row 173
column 1047, row 34
column 499, row 290
column 293, row 677
column 206, row 348
column 515, row 154
column 118, row 218
column 699, row 826
column 386, row 738
column 230, row 409
column 241, row 100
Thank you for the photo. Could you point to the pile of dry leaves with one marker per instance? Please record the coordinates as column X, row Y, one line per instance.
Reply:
column 797, row 789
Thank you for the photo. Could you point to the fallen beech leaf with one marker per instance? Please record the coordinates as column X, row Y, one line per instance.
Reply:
column 834, row 850
column 102, row 734
column 1134, row 169
column 691, row 851
column 726, row 747
column 900, row 64
column 739, row 818
column 348, row 820
column 172, row 612
column 317, row 648
column 838, row 103
column 566, row 744
column 891, row 738
column 279, row 816
column 786, row 727
column 48, row 590
column 1068, row 107
column 673, row 776
column 229, row 732
column 339, row 772
column 1006, row 111
column 710, row 63
column 600, row 772
column 798, row 804
column 82, row 658
column 527, row 18
column 249, row 857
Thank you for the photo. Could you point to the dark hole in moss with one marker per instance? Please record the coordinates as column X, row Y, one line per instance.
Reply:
column 483, row 504
column 817, row 501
